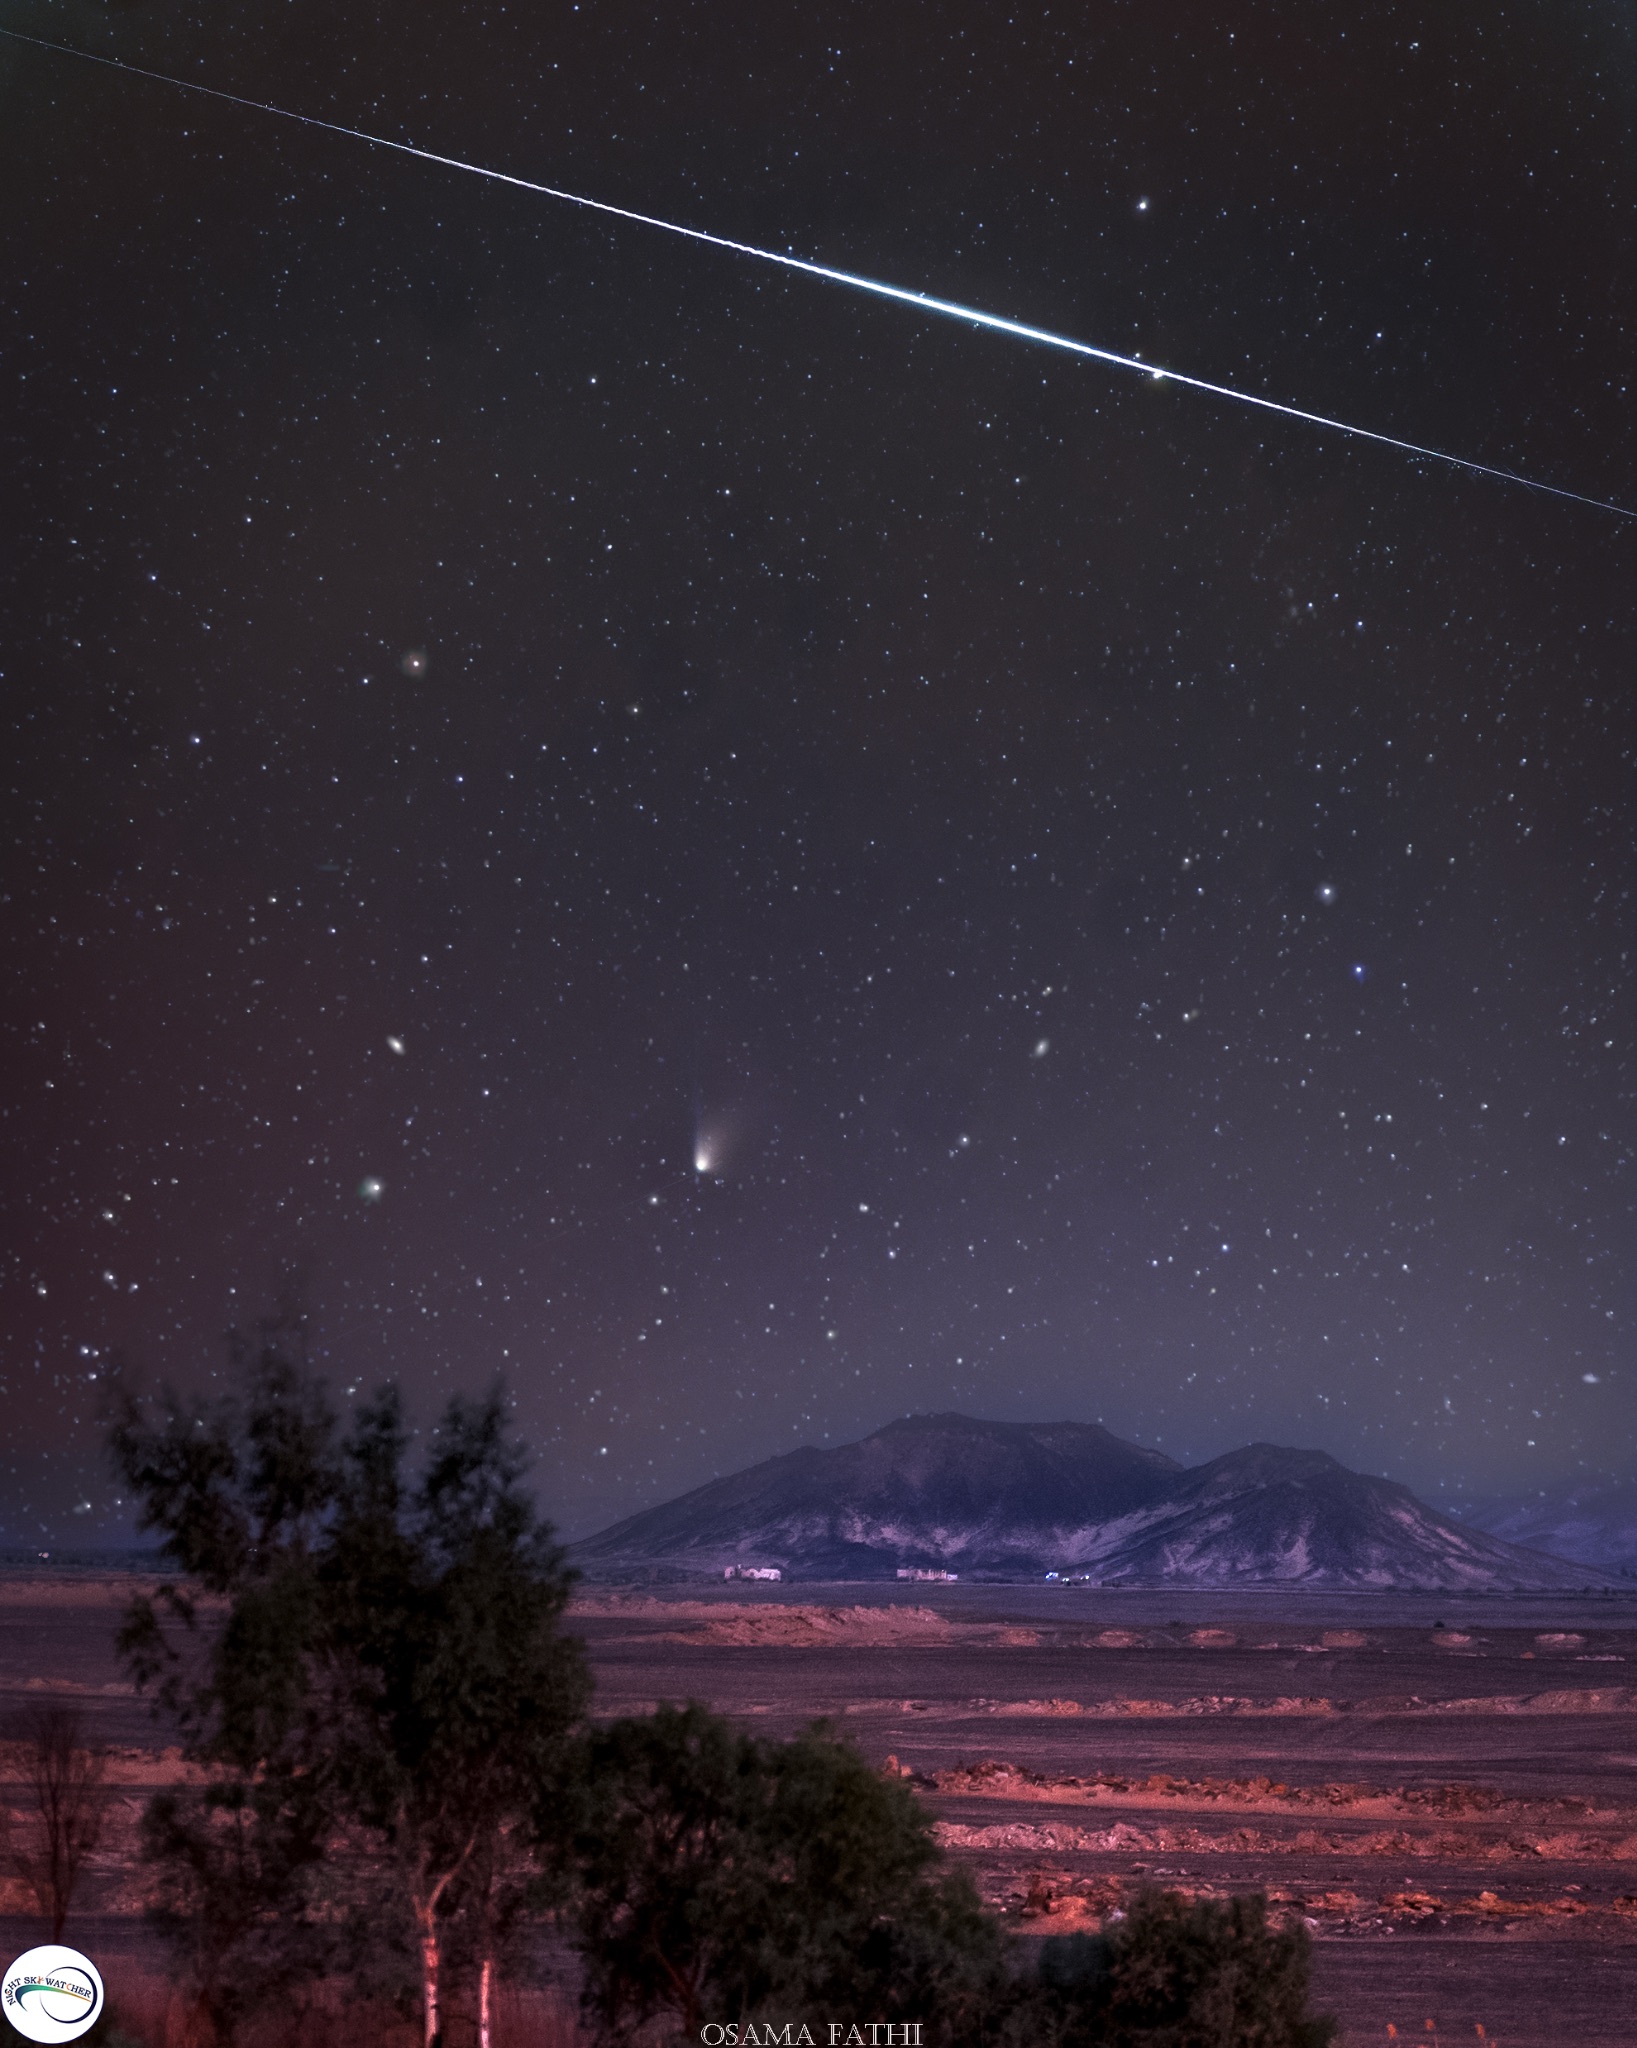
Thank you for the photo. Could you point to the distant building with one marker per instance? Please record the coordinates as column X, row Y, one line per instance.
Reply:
column 909, row 1571
column 753, row 1571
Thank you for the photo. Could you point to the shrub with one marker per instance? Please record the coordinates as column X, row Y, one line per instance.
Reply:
column 724, row 1878
column 1180, row 1973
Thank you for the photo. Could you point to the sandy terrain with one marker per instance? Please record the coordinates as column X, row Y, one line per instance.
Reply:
column 1452, row 1808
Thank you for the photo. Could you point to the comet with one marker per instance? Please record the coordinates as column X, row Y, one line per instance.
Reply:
column 922, row 302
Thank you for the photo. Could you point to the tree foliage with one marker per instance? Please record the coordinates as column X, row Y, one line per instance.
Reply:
column 389, row 1666
column 235, row 1862
column 722, row 1877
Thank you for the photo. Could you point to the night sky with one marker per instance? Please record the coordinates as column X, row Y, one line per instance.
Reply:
column 756, row 861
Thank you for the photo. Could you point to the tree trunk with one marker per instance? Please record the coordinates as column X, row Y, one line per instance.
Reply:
column 431, row 1961
column 426, row 1893
column 485, row 2003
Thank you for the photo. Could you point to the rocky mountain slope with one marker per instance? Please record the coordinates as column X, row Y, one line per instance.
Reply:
column 1019, row 1500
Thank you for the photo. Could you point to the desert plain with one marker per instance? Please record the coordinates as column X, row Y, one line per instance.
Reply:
column 1443, row 1787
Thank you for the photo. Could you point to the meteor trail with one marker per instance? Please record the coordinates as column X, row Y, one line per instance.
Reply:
column 1042, row 337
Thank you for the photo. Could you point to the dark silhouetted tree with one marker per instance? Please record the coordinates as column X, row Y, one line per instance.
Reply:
column 64, row 1774
column 236, row 1862
column 242, row 1489
column 389, row 1671
column 460, row 1691
column 723, row 1877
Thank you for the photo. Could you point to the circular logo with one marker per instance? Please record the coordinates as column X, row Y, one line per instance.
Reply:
column 51, row 1994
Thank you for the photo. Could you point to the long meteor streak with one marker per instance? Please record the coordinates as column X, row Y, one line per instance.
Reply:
column 923, row 301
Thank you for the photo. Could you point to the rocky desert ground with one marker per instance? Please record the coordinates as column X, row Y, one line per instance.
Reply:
column 1444, row 1788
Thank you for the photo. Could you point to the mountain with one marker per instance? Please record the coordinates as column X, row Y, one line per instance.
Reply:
column 934, row 1491
column 1016, row 1500
column 1270, row 1516
column 1591, row 1520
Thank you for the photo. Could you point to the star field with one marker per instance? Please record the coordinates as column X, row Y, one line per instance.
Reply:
column 754, row 863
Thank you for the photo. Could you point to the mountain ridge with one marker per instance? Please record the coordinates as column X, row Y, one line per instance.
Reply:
column 1002, row 1500
column 1590, row 1519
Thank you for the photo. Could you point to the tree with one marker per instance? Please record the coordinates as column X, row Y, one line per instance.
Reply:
column 504, row 1886
column 236, row 1863
column 390, row 1665
column 1177, row 1973
column 241, row 1489
column 460, row 1691
column 722, row 1877
column 64, row 1775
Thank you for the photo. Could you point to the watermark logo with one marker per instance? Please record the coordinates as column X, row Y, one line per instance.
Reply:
column 51, row 1994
